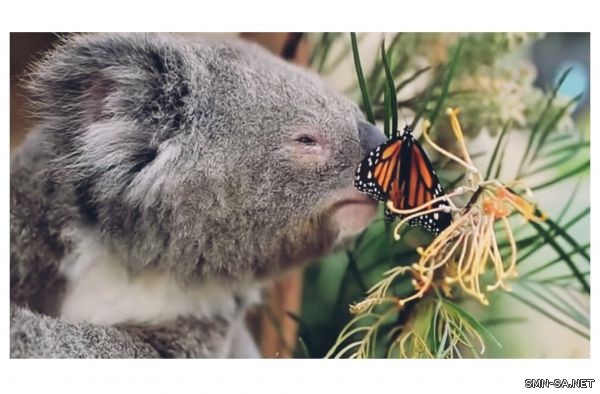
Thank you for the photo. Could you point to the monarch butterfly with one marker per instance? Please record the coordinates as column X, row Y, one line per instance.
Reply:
column 400, row 171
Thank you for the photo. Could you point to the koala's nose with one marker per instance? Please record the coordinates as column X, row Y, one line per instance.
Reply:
column 370, row 137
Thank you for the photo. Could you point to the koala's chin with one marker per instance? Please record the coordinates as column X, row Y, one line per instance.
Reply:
column 340, row 217
column 346, row 215
column 352, row 213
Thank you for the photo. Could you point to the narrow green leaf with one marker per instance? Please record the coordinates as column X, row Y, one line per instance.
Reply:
column 333, row 64
column 566, row 236
column 391, row 88
column 473, row 322
column 576, row 171
column 555, row 302
column 304, row 331
column 388, row 113
column 496, row 149
column 353, row 267
column 571, row 148
column 496, row 321
column 500, row 161
column 577, row 302
column 550, row 126
column 452, row 184
column 548, row 315
column 565, row 257
column 565, row 227
column 427, row 95
column 318, row 51
column 361, row 80
column 453, row 62
column 382, row 82
column 584, row 212
column 325, row 52
column 559, row 138
column 553, row 262
column 414, row 76
column 301, row 349
column 569, row 202
column 535, row 128
column 548, row 166
column 375, row 82
column 339, row 303
column 558, row 278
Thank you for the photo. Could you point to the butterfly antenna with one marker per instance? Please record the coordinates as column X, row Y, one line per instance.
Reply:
column 403, row 117
column 406, row 125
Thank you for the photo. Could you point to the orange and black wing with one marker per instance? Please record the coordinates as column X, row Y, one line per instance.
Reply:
column 377, row 171
column 416, row 183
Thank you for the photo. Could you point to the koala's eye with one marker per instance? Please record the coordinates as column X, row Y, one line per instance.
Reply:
column 308, row 147
column 306, row 140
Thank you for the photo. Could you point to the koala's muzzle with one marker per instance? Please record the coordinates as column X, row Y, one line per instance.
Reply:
column 370, row 137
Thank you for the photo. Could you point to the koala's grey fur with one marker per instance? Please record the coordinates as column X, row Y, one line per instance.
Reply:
column 174, row 154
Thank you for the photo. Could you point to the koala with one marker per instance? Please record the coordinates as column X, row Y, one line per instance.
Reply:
column 166, row 182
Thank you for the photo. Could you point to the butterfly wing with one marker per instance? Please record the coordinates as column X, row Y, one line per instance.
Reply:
column 376, row 172
column 415, row 184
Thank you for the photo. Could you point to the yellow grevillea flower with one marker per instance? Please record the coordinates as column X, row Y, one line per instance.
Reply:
column 463, row 252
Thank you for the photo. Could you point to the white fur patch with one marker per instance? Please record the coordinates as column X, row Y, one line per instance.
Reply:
column 240, row 343
column 100, row 291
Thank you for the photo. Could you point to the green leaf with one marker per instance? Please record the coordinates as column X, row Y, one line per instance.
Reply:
column 555, row 301
column 496, row 149
column 550, row 316
column 576, row 218
column 318, row 50
column 548, row 166
column 553, row 262
column 565, row 257
column 353, row 267
column 388, row 113
column 440, row 102
column 301, row 350
column 540, row 241
column 390, row 87
column 328, row 39
column 557, row 139
column 427, row 95
column 380, row 83
column 576, row 171
column 550, row 126
column 414, row 76
column 536, row 127
column 571, row 149
column 559, row 278
column 473, row 322
column 333, row 64
column 562, row 306
column 569, row 202
column 566, row 236
column 361, row 80
column 496, row 321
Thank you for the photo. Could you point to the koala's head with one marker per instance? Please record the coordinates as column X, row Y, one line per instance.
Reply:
column 206, row 159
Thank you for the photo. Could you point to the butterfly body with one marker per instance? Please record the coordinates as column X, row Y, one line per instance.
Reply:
column 400, row 171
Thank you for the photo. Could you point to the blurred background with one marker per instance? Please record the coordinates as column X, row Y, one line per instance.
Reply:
column 501, row 78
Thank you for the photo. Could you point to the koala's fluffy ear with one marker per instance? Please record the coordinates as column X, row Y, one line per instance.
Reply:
column 107, row 103
column 88, row 78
